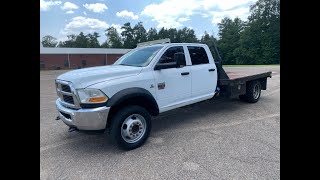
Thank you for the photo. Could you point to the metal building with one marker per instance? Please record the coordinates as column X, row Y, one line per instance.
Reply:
column 74, row 58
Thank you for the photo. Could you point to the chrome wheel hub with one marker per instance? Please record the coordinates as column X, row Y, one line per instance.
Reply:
column 133, row 128
column 256, row 91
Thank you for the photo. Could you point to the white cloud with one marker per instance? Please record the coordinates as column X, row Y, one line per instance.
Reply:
column 87, row 25
column 62, row 38
column 45, row 5
column 68, row 6
column 126, row 13
column 183, row 19
column 223, row 5
column 97, row 7
column 241, row 13
column 168, row 12
column 118, row 28
column 70, row 12
column 85, row 13
column 171, row 13
column 205, row 15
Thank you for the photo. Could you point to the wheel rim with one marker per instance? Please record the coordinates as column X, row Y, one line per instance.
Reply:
column 256, row 91
column 133, row 128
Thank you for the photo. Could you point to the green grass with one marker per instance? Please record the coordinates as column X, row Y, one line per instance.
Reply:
column 251, row 65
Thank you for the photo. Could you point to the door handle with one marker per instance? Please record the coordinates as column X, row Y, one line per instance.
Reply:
column 185, row 73
column 212, row 69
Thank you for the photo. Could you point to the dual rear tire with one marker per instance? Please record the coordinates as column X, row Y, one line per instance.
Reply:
column 253, row 92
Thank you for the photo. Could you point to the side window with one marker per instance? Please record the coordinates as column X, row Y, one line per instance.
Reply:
column 168, row 56
column 198, row 55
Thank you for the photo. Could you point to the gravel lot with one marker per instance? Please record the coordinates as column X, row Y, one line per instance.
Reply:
column 216, row 139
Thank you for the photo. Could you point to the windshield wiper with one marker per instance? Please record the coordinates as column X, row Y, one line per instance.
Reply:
column 129, row 65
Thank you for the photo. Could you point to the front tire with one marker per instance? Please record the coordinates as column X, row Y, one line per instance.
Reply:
column 130, row 127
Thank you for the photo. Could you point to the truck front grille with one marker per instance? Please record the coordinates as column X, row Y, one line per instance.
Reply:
column 66, row 94
column 65, row 88
column 68, row 99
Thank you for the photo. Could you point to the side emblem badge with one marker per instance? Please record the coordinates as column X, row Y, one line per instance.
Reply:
column 161, row 85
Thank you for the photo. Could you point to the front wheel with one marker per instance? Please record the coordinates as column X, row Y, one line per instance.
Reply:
column 130, row 127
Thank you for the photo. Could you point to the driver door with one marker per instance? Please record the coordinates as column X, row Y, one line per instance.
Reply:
column 173, row 85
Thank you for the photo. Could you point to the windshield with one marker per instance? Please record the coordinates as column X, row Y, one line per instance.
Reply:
column 138, row 57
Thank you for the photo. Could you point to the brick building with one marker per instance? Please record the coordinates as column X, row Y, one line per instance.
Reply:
column 74, row 58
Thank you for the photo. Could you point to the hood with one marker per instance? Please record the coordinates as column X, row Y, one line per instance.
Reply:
column 83, row 78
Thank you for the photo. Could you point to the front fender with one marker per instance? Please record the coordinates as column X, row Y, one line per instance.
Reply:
column 135, row 92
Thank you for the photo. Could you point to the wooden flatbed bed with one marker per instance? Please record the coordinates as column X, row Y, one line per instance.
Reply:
column 233, row 84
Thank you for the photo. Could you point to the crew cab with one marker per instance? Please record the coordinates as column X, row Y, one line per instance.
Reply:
column 121, row 98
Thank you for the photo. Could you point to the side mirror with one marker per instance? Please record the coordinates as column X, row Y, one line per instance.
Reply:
column 179, row 59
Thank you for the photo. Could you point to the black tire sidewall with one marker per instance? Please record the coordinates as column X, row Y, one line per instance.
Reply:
column 116, row 125
column 249, row 95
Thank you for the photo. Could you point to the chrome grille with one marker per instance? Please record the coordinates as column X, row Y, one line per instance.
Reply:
column 68, row 99
column 66, row 94
column 65, row 88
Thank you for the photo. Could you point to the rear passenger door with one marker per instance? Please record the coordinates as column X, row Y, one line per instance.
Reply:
column 203, row 72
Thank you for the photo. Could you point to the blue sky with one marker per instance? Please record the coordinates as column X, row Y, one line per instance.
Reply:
column 60, row 18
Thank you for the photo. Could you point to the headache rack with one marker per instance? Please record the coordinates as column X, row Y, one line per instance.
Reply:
column 148, row 43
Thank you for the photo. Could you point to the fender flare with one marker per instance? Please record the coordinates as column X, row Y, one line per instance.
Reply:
column 125, row 94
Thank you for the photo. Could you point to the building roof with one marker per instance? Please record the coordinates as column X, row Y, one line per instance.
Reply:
column 82, row 50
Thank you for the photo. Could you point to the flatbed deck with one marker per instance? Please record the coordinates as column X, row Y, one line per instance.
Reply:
column 233, row 84
column 243, row 76
column 239, row 75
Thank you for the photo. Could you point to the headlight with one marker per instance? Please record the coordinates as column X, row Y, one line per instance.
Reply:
column 91, row 96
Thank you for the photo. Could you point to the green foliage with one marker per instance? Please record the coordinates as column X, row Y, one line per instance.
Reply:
column 128, row 36
column 209, row 40
column 113, row 39
column 81, row 41
column 93, row 40
column 152, row 34
column 49, row 41
column 140, row 33
column 184, row 35
column 255, row 41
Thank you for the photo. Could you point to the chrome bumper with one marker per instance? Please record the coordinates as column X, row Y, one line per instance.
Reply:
column 84, row 119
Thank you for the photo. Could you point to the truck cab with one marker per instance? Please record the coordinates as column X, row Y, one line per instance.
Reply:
column 146, row 81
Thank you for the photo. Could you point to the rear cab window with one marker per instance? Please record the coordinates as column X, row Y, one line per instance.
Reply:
column 198, row 55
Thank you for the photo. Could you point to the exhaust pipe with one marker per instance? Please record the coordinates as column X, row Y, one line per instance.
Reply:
column 57, row 118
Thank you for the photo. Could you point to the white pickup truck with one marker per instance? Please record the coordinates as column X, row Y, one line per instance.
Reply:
column 148, row 80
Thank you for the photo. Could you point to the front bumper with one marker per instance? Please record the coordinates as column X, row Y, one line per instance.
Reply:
column 84, row 119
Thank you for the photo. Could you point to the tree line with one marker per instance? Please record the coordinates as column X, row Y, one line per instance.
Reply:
column 254, row 41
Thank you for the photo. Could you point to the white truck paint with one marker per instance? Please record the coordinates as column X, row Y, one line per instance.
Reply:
column 98, row 98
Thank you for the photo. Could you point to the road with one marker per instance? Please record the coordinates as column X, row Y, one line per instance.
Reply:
column 216, row 139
